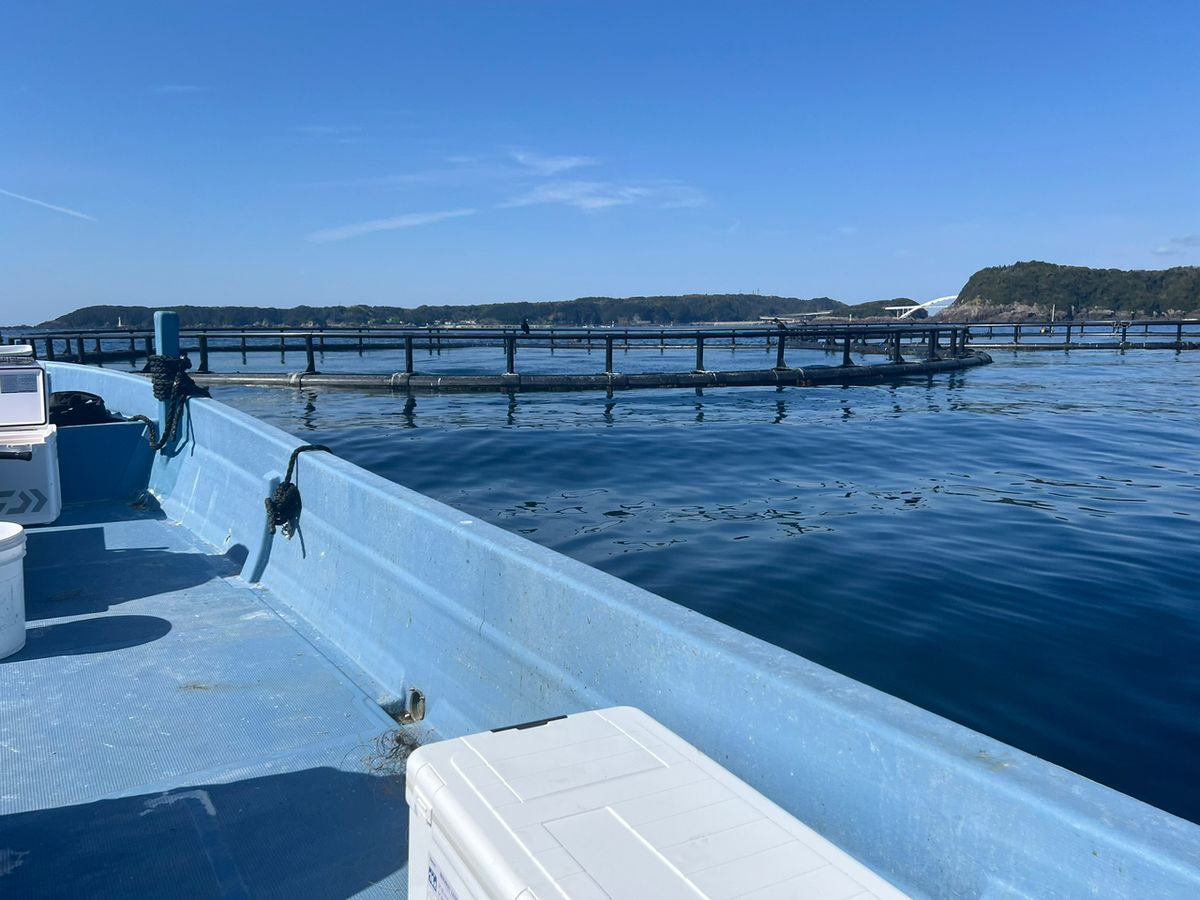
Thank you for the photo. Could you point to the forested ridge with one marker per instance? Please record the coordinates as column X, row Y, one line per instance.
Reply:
column 1041, row 289
column 668, row 310
column 1018, row 291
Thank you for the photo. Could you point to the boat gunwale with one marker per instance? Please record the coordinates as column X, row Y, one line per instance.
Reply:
column 1042, row 813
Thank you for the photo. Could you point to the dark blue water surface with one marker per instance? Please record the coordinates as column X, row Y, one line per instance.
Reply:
column 1014, row 547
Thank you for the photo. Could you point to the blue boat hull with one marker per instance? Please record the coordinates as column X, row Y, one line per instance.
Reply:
column 405, row 592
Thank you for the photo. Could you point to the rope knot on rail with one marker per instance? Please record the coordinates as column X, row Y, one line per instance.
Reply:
column 172, row 385
column 168, row 375
column 283, row 506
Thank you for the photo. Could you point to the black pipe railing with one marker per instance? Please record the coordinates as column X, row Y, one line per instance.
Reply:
column 889, row 338
column 205, row 342
column 648, row 330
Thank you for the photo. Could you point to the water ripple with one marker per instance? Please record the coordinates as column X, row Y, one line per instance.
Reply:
column 1013, row 547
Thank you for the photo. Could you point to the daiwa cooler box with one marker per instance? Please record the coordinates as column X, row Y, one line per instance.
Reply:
column 29, row 486
column 606, row 804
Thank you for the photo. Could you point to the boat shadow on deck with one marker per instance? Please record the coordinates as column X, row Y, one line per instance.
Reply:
column 172, row 736
column 95, row 635
column 96, row 577
column 314, row 833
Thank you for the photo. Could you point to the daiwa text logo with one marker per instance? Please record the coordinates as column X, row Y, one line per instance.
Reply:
column 438, row 888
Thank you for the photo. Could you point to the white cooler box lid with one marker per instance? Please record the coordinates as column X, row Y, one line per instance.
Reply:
column 26, row 435
column 23, row 398
column 612, row 804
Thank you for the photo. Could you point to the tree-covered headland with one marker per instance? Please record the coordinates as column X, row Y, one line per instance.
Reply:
column 1039, row 290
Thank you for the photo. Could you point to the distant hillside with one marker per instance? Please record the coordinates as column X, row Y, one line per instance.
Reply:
column 584, row 311
column 1035, row 289
column 878, row 309
column 1019, row 291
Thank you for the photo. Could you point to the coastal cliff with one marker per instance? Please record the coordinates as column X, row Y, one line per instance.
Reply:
column 1039, row 290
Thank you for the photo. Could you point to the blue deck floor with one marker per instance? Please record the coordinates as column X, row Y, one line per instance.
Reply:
column 165, row 732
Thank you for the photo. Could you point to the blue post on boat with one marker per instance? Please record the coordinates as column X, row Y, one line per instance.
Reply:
column 166, row 340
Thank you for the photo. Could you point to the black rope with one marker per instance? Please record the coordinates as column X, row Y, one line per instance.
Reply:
column 283, row 506
column 172, row 385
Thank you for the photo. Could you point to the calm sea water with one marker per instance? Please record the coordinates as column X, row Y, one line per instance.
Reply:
column 1014, row 547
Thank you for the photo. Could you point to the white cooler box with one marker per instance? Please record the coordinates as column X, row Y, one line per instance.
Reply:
column 29, row 487
column 606, row 804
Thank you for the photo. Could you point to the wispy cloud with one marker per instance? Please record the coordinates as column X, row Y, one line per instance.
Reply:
column 397, row 180
column 588, row 195
column 847, row 229
column 461, row 170
column 62, row 209
column 1177, row 245
column 512, row 178
column 550, row 165
column 408, row 220
column 327, row 130
column 596, row 195
column 165, row 89
column 333, row 134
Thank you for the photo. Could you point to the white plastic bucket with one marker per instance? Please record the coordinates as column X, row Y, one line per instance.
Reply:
column 12, row 588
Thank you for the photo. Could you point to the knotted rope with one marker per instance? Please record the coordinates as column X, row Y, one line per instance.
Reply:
column 283, row 506
column 172, row 385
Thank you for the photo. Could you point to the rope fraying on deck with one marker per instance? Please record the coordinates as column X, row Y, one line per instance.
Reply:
column 172, row 385
column 283, row 506
column 391, row 750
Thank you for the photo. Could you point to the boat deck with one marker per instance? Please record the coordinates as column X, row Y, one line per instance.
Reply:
column 172, row 731
column 167, row 732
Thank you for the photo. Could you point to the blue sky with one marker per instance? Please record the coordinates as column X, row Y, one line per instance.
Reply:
column 400, row 153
